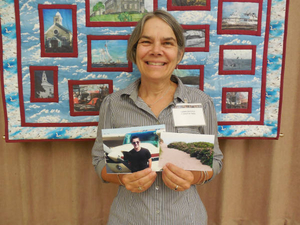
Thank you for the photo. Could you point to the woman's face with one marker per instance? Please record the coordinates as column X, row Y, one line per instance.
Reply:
column 157, row 50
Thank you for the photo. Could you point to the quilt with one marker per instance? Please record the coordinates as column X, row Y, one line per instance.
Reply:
column 59, row 59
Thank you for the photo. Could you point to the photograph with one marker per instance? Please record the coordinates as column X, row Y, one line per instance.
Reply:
column 188, row 5
column 191, row 75
column 117, row 13
column 196, row 38
column 187, row 151
column 132, row 149
column 237, row 17
column 236, row 100
column 108, row 53
column 236, row 59
column 58, row 30
column 86, row 96
column 43, row 80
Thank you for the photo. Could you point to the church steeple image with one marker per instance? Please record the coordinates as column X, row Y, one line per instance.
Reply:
column 57, row 19
column 49, row 88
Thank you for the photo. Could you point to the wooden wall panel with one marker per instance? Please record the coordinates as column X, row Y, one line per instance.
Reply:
column 55, row 183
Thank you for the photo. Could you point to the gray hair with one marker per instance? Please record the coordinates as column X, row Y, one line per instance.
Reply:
column 137, row 32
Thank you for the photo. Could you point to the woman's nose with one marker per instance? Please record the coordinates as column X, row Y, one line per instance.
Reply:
column 157, row 49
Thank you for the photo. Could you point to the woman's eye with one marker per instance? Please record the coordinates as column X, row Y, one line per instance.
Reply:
column 168, row 43
column 144, row 42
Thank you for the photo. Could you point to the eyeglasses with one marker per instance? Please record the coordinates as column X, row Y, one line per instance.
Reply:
column 135, row 142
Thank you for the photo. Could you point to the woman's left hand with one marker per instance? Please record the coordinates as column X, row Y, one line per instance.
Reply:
column 176, row 178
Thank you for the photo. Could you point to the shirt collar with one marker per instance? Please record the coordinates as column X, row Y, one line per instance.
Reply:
column 180, row 93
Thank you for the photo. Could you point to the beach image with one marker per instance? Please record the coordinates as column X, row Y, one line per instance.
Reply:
column 187, row 151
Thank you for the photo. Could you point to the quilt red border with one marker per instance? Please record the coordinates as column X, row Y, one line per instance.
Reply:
column 2, row 86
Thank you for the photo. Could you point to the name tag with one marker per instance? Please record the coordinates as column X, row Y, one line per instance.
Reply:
column 188, row 114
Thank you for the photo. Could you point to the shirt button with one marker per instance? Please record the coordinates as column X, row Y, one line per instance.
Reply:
column 157, row 188
column 157, row 211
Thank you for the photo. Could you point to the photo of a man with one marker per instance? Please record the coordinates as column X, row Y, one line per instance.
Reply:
column 138, row 158
column 132, row 149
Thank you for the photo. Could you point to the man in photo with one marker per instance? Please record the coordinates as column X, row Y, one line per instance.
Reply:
column 138, row 158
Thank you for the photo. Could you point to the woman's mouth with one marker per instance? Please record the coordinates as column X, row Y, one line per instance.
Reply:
column 156, row 63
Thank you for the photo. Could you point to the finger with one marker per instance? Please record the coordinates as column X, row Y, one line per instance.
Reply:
column 166, row 179
column 144, row 183
column 132, row 177
column 170, row 184
column 183, row 174
column 137, row 189
column 149, row 178
column 172, row 179
column 177, row 170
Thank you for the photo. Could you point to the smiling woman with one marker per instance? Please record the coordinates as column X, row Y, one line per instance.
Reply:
column 156, row 46
column 137, row 33
column 157, row 51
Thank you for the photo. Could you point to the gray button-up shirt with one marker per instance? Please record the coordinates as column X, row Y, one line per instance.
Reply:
column 159, row 205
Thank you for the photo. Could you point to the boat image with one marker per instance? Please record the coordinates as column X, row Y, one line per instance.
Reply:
column 246, row 21
column 106, row 60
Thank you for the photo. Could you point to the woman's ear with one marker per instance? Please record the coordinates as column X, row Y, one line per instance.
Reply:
column 180, row 56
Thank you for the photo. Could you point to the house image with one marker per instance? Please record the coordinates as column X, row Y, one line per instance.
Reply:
column 119, row 6
column 57, row 37
column 99, row 12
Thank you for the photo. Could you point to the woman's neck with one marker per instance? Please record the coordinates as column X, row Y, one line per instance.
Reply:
column 157, row 93
column 153, row 89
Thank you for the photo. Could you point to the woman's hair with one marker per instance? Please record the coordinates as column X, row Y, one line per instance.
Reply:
column 137, row 32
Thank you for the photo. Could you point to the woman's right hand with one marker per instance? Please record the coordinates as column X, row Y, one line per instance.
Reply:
column 139, row 181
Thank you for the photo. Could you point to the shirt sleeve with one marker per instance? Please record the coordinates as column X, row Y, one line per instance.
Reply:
column 105, row 118
column 148, row 154
column 212, row 128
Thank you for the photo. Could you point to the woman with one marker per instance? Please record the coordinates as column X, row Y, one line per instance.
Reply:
column 156, row 46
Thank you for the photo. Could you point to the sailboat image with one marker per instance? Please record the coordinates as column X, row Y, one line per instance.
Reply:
column 106, row 60
column 105, row 57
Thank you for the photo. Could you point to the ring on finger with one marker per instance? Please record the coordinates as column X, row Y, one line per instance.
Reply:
column 140, row 188
column 176, row 188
